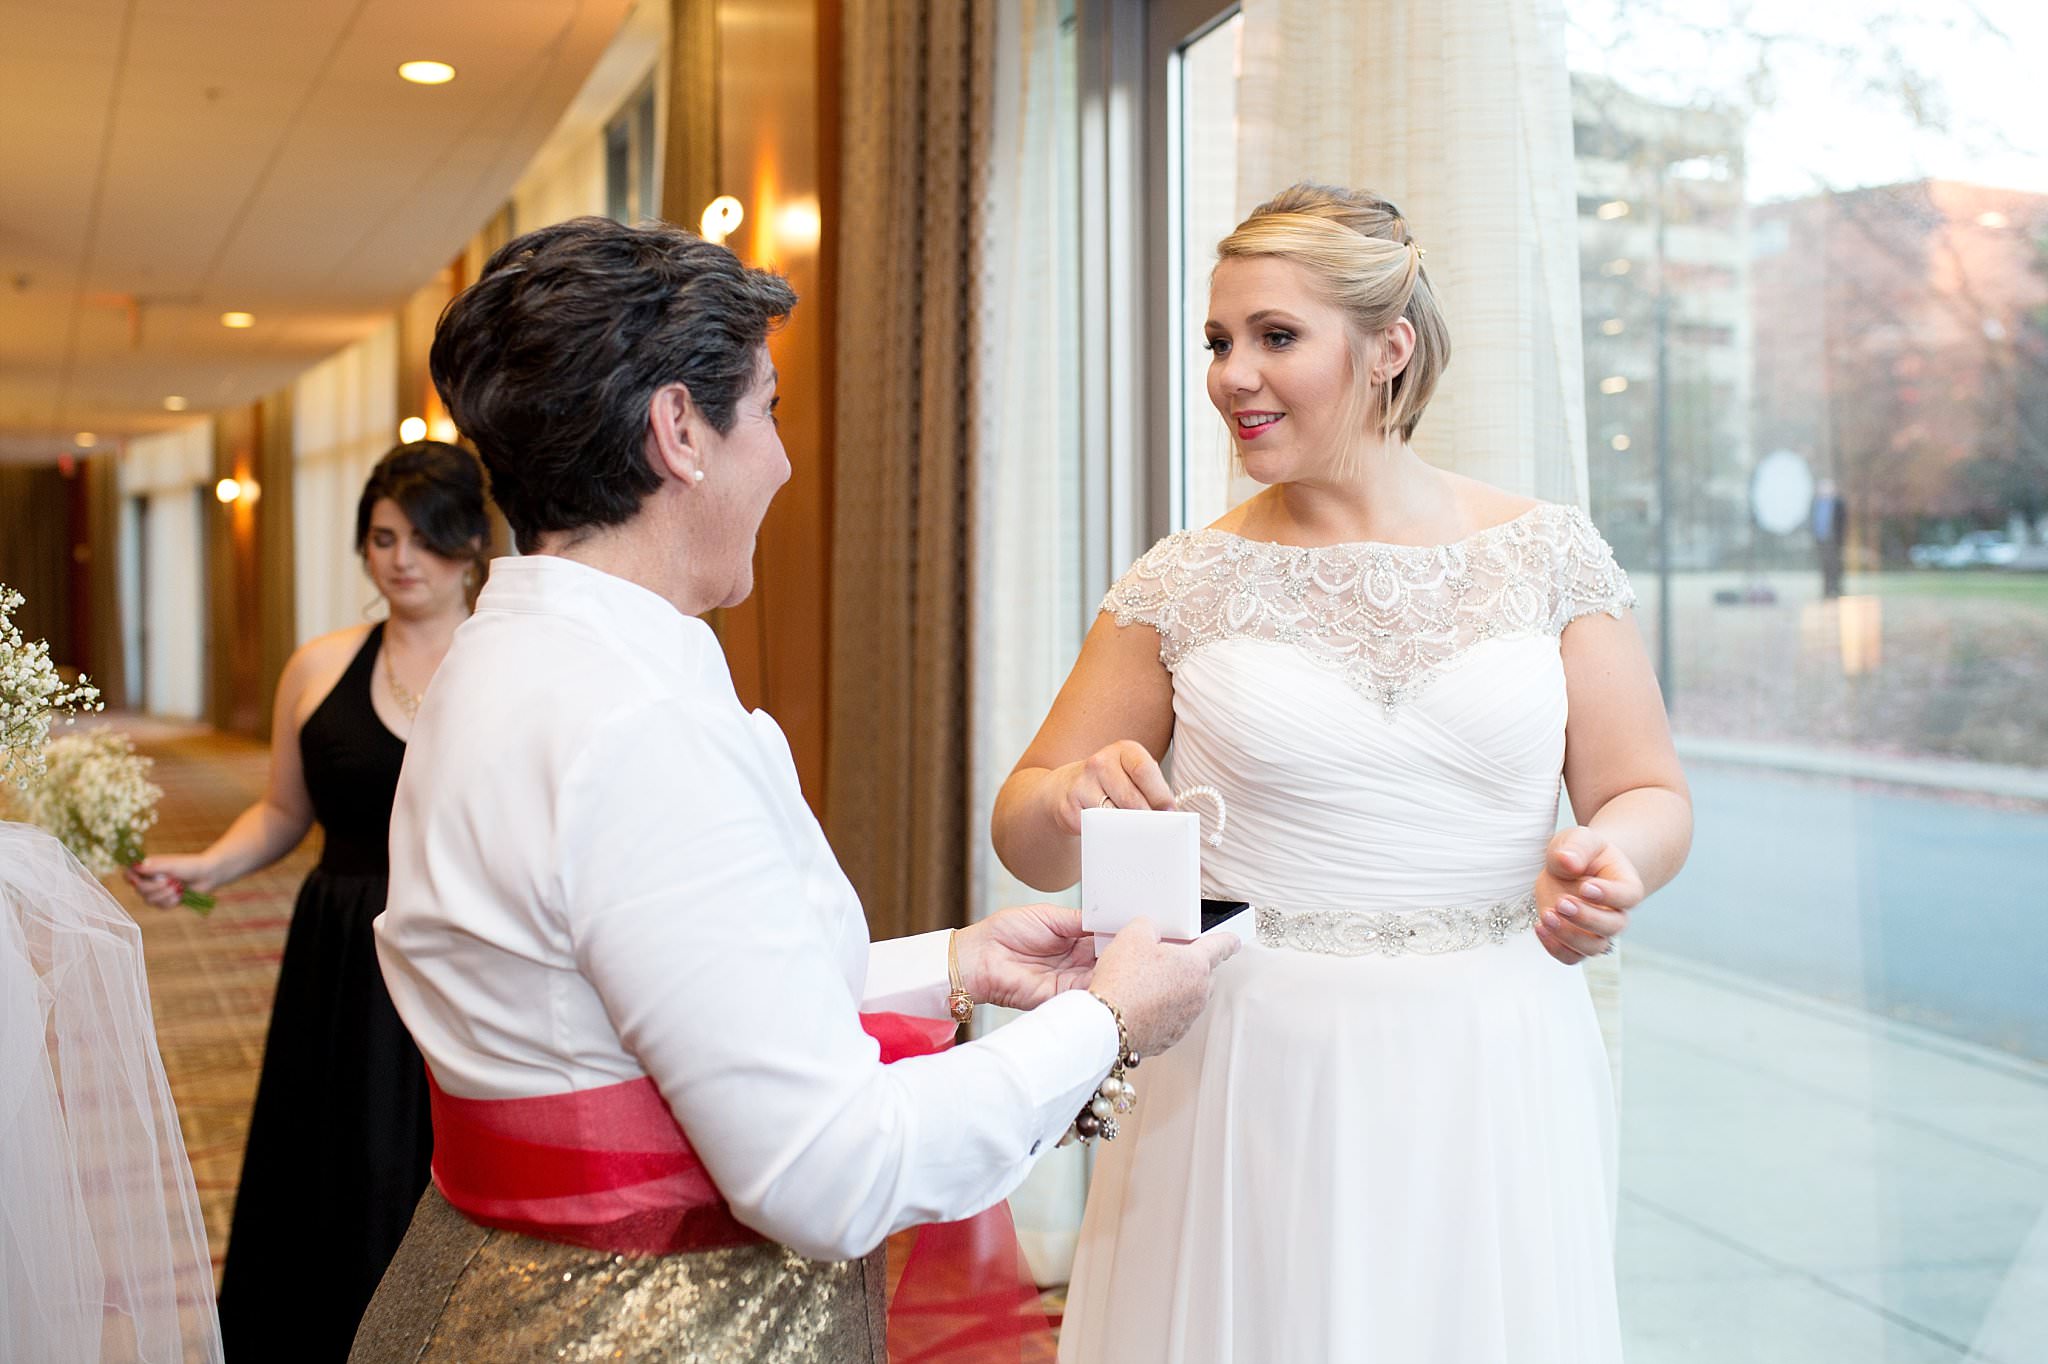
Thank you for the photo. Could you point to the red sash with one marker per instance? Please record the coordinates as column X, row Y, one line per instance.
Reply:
column 610, row 1169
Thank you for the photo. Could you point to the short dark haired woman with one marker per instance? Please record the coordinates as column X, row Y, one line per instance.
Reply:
column 663, row 1125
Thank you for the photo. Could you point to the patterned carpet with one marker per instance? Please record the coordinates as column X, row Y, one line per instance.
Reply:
column 211, row 981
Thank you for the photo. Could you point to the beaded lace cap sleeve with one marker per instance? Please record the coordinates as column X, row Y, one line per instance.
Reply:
column 1388, row 617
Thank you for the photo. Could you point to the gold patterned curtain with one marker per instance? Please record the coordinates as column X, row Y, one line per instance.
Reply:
column 914, row 142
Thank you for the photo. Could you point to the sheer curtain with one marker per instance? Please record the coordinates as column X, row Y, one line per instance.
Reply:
column 1460, row 112
column 1027, row 612
column 344, row 417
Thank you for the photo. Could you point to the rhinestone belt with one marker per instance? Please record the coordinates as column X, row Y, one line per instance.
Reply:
column 1360, row 933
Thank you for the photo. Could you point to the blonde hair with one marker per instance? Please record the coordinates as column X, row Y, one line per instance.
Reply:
column 1357, row 248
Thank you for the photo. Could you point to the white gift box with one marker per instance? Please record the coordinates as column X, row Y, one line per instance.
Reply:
column 1141, row 863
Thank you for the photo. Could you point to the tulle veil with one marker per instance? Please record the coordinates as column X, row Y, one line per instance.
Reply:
column 103, row 1256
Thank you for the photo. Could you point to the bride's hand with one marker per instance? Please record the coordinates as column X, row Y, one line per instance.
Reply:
column 1583, row 897
column 1123, row 775
column 1021, row 957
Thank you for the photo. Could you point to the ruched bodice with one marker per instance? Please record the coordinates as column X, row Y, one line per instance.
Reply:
column 1386, row 722
column 1332, row 805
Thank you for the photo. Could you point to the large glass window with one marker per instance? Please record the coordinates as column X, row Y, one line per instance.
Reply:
column 1814, row 254
column 630, row 191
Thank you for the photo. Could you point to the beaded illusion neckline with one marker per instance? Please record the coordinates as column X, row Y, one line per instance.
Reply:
column 1388, row 618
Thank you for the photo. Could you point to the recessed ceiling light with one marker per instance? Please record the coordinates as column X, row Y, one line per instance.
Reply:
column 85, row 440
column 238, row 320
column 174, row 404
column 426, row 73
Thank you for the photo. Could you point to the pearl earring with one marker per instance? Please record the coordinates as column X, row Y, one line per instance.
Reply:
column 697, row 475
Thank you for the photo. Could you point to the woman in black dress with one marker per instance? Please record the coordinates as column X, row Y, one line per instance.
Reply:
column 340, row 1138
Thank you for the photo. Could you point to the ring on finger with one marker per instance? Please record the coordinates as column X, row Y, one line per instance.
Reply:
column 1107, row 804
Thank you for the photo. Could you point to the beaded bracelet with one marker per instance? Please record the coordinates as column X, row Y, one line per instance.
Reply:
column 1114, row 1095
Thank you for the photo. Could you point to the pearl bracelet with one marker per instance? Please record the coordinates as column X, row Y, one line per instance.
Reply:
column 1114, row 1095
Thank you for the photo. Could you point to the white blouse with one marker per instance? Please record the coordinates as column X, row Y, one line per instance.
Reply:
column 602, row 867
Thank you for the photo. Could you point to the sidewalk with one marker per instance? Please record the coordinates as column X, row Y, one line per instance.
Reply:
column 1986, row 779
column 1804, row 1183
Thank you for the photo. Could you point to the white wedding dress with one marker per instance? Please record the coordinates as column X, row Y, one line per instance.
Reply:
column 1390, row 1139
column 103, row 1255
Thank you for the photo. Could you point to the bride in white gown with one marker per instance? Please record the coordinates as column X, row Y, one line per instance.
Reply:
column 1391, row 1138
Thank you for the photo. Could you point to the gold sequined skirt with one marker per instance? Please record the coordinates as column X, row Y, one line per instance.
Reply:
column 458, row 1293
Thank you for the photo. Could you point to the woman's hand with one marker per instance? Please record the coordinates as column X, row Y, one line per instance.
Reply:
column 161, row 880
column 1161, row 988
column 1583, row 897
column 1019, row 958
column 1123, row 774
column 1022, row 957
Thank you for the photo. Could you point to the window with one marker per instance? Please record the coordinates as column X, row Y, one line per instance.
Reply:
column 1816, row 392
column 1204, row 113
column 630, row 189
column 1826, row 494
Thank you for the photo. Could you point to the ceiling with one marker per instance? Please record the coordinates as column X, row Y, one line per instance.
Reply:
column 165, row 161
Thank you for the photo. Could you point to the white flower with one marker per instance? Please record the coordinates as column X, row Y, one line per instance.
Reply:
column 97, row 798
column 31, row 692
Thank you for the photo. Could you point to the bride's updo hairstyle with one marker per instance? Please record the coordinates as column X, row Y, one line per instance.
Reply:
column 1356, row 247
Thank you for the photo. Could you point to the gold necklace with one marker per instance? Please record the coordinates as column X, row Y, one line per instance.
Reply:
column 407, row 702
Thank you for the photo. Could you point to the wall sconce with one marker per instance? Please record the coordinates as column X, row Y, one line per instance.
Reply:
column 412, row 429
column 722, row 217
column 232, row 490
column 798, row 226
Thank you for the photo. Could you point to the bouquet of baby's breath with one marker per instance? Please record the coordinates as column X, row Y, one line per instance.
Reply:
column 31, row 692
column 97, row 798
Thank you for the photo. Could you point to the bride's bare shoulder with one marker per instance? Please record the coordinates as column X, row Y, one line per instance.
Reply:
column 1233, row 522
column 1485, row 505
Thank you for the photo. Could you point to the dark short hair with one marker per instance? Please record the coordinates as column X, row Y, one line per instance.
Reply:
column 440, row 490
column 549, row 361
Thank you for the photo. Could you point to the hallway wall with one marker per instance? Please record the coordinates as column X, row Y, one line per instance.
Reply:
column 250, row 568
column 165, row 481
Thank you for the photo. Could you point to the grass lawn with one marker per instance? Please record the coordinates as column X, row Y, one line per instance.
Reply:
column 2029, row 588
column 1939, row 664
